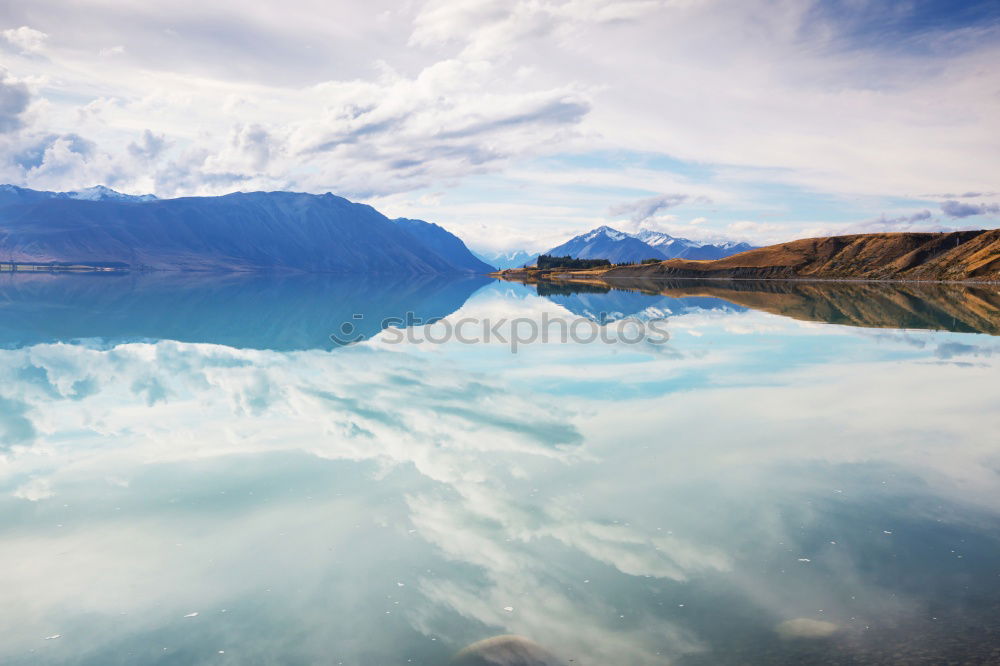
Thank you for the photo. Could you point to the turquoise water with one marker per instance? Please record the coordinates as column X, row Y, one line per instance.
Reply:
column 193, row 472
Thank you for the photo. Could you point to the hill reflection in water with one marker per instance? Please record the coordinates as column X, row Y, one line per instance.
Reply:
column 260, row 311
column 937, row 306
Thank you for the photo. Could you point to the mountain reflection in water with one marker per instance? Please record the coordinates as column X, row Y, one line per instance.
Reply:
column 280, row 312
column 931, row 306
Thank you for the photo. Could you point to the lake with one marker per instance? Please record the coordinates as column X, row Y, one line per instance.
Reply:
column 376, row 471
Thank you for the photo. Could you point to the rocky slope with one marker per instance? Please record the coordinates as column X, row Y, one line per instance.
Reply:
column 958, row 255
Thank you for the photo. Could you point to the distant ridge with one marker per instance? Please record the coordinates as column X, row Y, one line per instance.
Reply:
column 10, row 194
column 672, row 247
column 510, row 259
column 619, row 247
column 242, row 232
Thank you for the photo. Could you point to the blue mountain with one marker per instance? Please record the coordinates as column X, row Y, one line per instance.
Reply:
column 243, row 232
column 619, row 247
column 605, row 243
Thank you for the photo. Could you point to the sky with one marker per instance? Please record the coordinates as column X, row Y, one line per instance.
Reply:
column 519, row 123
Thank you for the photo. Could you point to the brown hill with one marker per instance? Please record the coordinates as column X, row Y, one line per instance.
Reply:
column 958, row 255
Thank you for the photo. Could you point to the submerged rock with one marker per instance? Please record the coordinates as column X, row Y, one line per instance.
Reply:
column 506, row 651
column 803, row 627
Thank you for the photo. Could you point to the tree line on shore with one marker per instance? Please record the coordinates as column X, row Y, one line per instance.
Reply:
column 549, row 261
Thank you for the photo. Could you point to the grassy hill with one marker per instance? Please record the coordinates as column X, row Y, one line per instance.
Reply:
column 958, row 256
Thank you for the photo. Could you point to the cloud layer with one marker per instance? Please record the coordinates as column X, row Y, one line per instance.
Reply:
column 776, row 113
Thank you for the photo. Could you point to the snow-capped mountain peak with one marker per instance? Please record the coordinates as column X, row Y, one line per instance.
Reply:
column 616, row 246
column 656, row 238
column 102, row 193
column 605, row 230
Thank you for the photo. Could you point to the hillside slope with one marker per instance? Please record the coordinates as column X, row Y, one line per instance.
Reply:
column 259, row 231
column 446, row 244
column 958, row 255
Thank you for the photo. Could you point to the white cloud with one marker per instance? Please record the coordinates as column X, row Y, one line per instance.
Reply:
column 26, row 40
column 393, row 134
column 112, row 51
column 34, row 490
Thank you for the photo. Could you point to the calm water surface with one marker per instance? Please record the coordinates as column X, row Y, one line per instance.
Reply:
column 193, row 472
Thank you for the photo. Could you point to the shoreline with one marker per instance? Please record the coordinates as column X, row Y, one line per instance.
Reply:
column 545, row 275
column 8, row 267
column 521, row 276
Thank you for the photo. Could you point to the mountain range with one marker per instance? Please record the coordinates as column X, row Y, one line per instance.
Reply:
column 11, row 194
column 672, row 247
column 613, row 304
column 619, row 247
column 507, row 259
column 241, row 232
